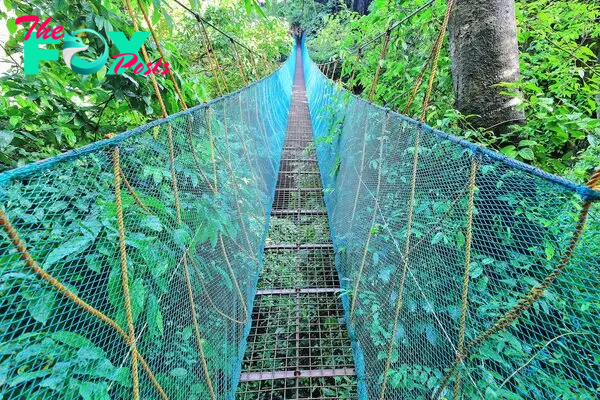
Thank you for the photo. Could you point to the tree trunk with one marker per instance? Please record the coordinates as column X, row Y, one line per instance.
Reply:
column 598, row 95
column 484, row 51
column 360, row 6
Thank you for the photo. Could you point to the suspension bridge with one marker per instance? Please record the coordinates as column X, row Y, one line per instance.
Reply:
column 293, row 241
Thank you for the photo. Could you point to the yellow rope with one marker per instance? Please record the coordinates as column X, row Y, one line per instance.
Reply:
column 212, row 51
column 247, row 155
column 465, row 288
column 411, row 206
column 212, row 149
column 364, row 136
column 235, row 188
column 209, row 54
column 431, row 59
column 534, row 294
column 174, row 186
column 373, row 219
column 334, row 68
column 124, row 275
column 417, row 83
column 235, row 282
column 365, row 120
column 210, row 300
column 197, row 329
column 339, row 81
column 197, row 162
column 239, row 62
column 353, row 74
column 254, row 68
column 160, row 51
column 438, row 48
column 31, row 263
column 146, row 60
column 132, row 192
column 386, row 42
column 151, row 376
column 62, row 289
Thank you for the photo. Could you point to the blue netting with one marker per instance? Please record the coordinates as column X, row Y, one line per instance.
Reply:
column 401, row 258
column 64, row 211
column 402, row 261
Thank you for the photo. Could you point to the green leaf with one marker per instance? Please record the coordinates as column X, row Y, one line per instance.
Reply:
column 72, row 339
column 102, row 73
column 549, row 250
column 94, row 391
column 526, row 153
column 248, row 6
column 5, row 369
column 11, row 26
column 258, row 9
column 41, row 308
column 138, row 297
column 152, row 222
column 154, row 317
column 476, row 270
column 5, row 138
column 93, row 262
column 179, row 372
column 14, row 120
column 182, row 238
column 510, row 151
column 437, row 238
column 29, row 376
column 66, row 249
column 527, row 143
column 431, row 334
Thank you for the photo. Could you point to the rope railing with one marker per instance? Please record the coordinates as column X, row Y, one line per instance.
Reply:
column 157, row 207
column 359, row 49
column 235, row 42
column 425, row 145
column 175, row 188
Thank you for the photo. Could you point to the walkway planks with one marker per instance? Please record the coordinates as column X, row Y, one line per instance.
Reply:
column 298, row 347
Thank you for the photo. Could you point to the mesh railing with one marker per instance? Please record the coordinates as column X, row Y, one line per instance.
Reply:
column 65, row 326
column 440, row 245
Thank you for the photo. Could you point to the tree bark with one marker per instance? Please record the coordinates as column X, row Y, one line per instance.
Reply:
column 598, row 95
column 360, row 6
column 484, row 52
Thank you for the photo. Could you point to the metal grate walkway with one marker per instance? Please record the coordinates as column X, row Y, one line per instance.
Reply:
column 298, row 347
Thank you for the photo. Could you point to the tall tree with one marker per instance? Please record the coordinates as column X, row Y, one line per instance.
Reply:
column 360, row 6
column 484, row 51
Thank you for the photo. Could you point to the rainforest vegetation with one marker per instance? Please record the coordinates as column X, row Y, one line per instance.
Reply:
column 559, row 85
column 52, row 112
column 558, row 43
column 217, row 216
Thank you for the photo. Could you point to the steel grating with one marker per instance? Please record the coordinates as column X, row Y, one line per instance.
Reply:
column 298, row 346
column 302, row 268
column 338, row 387
column 297, row 332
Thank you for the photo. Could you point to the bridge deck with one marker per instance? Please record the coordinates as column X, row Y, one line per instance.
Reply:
column 298, row 347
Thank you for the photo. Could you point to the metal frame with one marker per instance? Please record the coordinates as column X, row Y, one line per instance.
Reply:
column 298, row 346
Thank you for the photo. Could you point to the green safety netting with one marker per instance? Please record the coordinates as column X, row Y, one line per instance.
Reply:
column 54, row 343
column 402, row 199
column 398, row 196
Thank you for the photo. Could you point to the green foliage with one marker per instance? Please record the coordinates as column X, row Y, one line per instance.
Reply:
column 58, row 110
column 559, row 45
column 309, row 15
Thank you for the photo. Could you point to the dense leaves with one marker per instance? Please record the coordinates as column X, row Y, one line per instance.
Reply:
column 57, row 110
column 559, row 45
